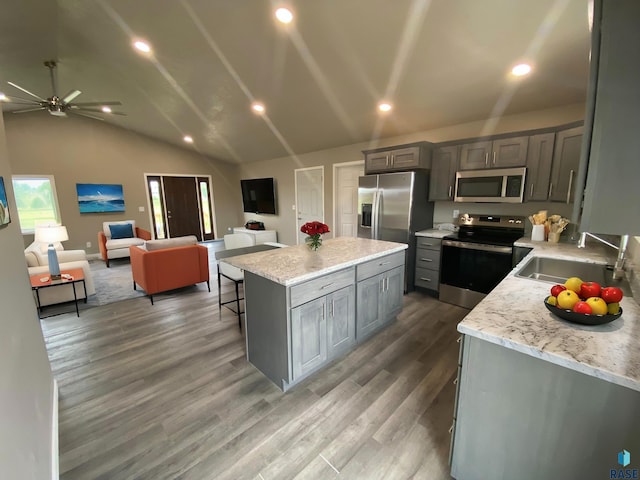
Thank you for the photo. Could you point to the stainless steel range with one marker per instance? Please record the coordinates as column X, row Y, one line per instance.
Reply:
column 477, row 257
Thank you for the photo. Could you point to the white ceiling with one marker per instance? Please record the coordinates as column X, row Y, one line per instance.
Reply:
column 440, row 62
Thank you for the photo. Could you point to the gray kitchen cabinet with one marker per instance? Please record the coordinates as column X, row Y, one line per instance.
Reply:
column 612, row 196
column 443, row 173
column 308, row 337
column 428, row 251
column 539, row 161
column 566, row 159
column 517, row 416
column 401, row 158
column 498, row 153
column 341, row 321
column 379, row 293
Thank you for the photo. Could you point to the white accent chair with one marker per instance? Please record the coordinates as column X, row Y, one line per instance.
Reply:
column 38, row 263
column 119, row 247
column 231, row 241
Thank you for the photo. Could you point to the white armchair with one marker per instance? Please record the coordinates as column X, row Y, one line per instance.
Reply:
column 38, row 263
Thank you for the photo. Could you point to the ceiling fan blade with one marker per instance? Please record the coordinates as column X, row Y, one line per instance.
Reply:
column 94, row 104
column 21, row 101
column 25, row 110
column 97, row 110
column 26, row 91
column 70, row 96
column 76, row 112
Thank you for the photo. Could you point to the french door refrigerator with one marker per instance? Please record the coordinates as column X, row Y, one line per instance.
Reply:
column 393, row 207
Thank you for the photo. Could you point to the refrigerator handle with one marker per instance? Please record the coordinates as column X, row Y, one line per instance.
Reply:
column 377, row 199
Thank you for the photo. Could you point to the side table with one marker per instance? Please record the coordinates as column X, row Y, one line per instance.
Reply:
column 70, row 277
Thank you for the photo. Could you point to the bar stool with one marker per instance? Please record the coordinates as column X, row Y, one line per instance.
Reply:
column 233, row 240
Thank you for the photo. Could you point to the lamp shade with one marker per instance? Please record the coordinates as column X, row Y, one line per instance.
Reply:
column 51, row 234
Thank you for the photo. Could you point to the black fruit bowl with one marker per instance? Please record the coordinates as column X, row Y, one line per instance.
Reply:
column 582, row 318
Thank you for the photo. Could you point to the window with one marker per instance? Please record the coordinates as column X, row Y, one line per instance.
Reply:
column 36, row 200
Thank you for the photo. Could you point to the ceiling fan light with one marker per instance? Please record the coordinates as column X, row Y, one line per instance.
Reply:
column 106, row 109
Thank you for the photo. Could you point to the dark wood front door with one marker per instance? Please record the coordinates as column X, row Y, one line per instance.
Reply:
column 183, row 212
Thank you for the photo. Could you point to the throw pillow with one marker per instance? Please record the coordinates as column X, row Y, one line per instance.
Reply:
column 121, row 231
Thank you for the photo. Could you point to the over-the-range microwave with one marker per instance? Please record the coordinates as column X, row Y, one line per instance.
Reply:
column 505, row 185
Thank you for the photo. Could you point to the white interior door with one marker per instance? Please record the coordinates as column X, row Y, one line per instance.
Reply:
column 345, row 179
column 309, row 197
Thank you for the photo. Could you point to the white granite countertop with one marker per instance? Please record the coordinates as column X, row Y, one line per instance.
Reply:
column 291, row 265
column 433, row 233
column 513, row 315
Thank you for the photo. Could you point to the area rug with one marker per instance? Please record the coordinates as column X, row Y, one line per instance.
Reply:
column 112, row 284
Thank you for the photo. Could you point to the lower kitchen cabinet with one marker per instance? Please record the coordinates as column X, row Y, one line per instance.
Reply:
column 428, row 252
column 517, row 416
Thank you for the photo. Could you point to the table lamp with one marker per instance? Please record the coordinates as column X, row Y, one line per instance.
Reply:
column 51, row 234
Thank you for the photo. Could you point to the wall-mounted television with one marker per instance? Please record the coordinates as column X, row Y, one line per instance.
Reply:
column 259, row 195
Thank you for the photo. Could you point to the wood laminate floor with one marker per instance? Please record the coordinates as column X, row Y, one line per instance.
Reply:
column 165, row 392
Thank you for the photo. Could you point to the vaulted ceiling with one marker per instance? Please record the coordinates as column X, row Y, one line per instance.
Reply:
column 439, row 63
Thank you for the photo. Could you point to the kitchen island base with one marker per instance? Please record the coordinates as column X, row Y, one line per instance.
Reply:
column 521, row 417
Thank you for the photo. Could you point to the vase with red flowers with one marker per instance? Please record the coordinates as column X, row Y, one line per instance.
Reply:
column 314, row 230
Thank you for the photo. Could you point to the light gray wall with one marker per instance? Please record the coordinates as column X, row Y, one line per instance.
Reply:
column 26, row 383
column 282, row 169
column 78, row 150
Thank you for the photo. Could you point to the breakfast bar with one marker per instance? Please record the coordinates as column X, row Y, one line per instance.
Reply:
column 304, row 308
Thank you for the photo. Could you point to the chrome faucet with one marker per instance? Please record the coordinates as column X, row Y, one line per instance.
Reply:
column 618, row 268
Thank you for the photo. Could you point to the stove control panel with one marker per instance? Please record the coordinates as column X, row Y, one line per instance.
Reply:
column 471, row 220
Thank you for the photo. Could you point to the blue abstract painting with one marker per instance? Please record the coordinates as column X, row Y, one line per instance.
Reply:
column 4, row 207
column 100, row 198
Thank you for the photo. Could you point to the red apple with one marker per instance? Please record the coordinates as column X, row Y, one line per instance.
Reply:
column 582, row 307
column 556, row 289
column 589, row 289
column 611, row 294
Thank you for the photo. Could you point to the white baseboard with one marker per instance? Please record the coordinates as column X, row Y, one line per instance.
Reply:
column 55, row 465
column 93, row 256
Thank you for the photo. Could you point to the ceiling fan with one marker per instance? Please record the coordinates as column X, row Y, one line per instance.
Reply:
column 58, row 106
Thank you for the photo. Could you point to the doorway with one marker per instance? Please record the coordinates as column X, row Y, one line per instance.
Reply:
column 181, row 205
column 309, row 185
column 345, row 198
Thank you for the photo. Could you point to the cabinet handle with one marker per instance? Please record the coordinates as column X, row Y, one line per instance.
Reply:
column 426, row 244
column 323, row 307
column 451, row 428
column 426, row 259
column 531, row 191
column 332, row 307
column 494, row 158
column 382, row 285
column 425, row 279
column 384, row 263
column 459, row 339
column 455, row 382
column 450, row 191
column 550, row 189
column 486, row 159
column 570, row 183
column 392, row 157
column 325, row 286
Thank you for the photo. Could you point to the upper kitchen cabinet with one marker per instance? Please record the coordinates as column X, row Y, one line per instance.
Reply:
column 443, row 173
column 539, row 158
column 612, row 195
column 397, row 159
column 566, row 159
column 499, row 153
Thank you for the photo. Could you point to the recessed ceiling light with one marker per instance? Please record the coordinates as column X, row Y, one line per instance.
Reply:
column 284, row 15
column 142, row 46
column 257, row 107
column 521, row 69
column 188, row 139
column 106, row 109
column 384, row 107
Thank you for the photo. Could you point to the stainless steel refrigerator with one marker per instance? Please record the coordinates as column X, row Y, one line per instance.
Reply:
column 393, row 207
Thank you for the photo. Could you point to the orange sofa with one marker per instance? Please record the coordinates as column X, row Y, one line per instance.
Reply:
column 162, row 265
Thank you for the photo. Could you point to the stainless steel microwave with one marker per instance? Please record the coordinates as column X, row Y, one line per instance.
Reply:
column 504, row 185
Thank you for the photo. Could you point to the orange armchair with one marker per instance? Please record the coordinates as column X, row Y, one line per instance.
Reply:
column 168, row 268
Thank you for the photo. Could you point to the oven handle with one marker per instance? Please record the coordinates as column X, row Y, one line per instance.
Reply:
column 478, row 246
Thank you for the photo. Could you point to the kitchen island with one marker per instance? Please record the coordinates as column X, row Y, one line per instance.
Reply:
column 539, row 397
column 304, row 309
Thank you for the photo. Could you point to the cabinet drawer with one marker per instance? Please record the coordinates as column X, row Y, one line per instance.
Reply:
column 379, row 265
column 428, row 259
column 428, row 242
column 319, row 287
column 427, row 278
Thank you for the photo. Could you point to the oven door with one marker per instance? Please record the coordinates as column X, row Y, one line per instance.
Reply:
column 473, row 267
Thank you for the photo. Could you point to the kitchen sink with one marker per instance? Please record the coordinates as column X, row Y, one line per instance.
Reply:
column 553, row 270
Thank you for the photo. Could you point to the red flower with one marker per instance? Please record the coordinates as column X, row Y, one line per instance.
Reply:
column 314, row 228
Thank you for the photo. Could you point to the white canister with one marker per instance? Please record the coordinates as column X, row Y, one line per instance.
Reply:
column 537, row 233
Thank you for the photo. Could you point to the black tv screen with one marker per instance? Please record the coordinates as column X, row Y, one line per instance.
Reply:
column 258, row 195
